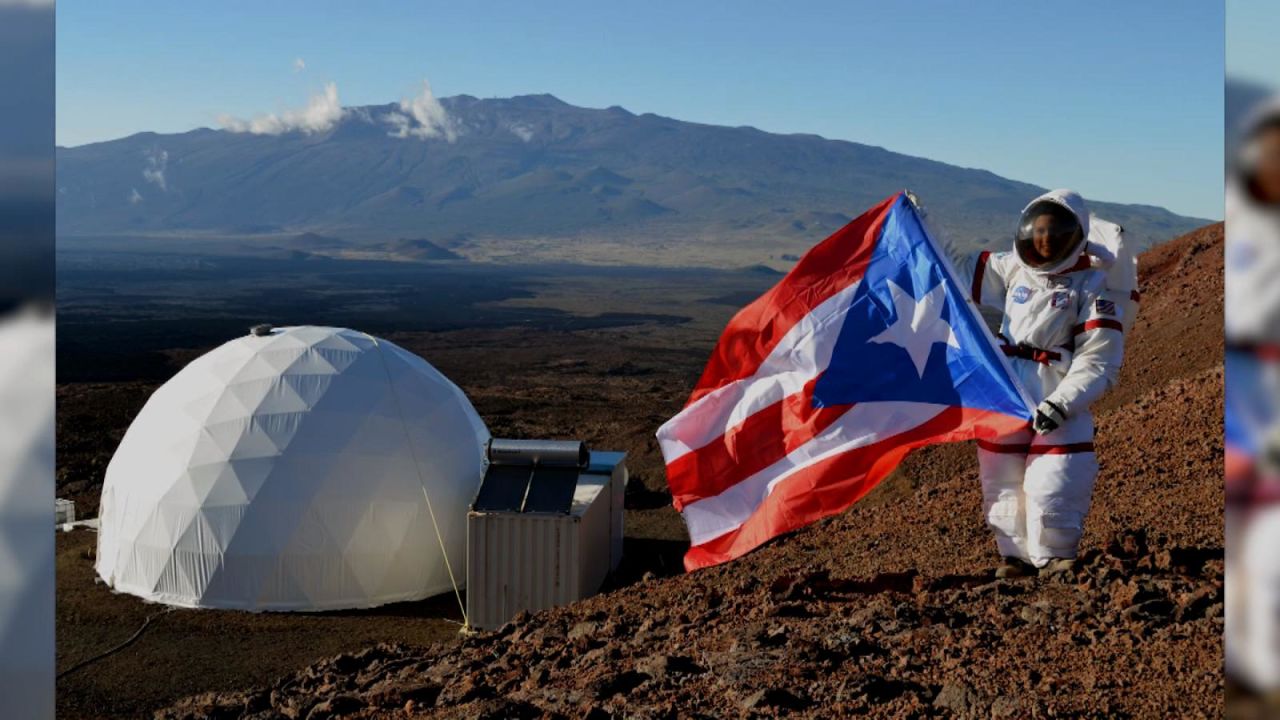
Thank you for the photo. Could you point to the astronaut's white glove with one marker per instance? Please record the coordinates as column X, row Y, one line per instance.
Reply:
column 1049, row 417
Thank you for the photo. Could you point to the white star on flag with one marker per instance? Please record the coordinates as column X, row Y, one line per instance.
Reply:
column 919, row 324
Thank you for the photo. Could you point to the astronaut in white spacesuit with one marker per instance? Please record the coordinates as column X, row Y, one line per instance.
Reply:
column 1063, row 331
column 1253, row 406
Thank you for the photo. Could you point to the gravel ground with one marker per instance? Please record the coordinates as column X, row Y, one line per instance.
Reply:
column 888, row 610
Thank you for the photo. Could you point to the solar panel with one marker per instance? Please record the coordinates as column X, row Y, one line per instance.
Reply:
column 551, row 490
column 531, row 476
column 503, row 489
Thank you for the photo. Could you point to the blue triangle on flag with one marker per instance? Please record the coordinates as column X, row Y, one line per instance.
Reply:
column 872, row 360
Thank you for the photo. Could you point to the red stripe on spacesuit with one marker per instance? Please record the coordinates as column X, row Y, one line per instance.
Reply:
column 1095, row 324
column 1027, row 449
column 978, row 272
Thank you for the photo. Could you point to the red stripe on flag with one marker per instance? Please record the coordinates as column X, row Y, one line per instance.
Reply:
column 1239, row 468
column 978, row 273
column 762, row 439
column 831, row 485
column 1096, row 324
column 828, row 268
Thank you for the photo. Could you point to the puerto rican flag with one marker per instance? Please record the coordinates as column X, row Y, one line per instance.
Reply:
column 816, row 391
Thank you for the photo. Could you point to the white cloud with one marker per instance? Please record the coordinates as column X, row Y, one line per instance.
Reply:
column 157, row 161
column 323, row 111
column 135, row 197
column 524, row 132
column 299, row 65
column 422, row 117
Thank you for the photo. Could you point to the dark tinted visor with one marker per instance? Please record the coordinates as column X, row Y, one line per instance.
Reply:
column 1048, row 233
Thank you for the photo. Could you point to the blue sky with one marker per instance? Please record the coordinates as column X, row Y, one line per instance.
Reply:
column 1251, row 38
column 1120, row 100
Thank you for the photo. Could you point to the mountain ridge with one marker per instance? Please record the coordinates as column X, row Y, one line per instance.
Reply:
column 533, row 166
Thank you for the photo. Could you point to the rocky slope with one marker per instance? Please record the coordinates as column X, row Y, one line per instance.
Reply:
column 889, row 610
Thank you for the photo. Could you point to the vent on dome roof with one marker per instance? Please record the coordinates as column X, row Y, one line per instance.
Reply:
column 261, row 330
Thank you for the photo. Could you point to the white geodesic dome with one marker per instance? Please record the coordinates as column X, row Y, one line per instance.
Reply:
column 299, row 470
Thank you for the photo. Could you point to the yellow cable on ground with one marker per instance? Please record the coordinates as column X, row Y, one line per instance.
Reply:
column 466, row 624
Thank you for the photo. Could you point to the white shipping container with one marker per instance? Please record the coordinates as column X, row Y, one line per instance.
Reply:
column 537, row 560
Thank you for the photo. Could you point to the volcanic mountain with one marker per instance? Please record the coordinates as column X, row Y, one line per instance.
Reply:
column 531, row 166
column 890, row 609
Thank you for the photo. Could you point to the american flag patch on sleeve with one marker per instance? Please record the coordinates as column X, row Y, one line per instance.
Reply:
column 1105, row 307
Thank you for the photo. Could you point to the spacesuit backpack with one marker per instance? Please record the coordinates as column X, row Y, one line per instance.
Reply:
column 1122, row 276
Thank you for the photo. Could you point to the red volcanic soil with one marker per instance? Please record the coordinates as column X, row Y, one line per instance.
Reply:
column 888, row 610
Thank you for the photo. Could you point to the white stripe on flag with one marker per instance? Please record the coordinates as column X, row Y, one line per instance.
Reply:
column 864, row 424
column 802, row 354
